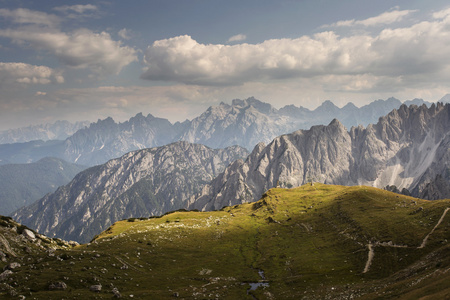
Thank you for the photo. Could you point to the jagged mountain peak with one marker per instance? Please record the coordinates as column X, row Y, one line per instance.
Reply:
column 327, row 107
column 255, row 103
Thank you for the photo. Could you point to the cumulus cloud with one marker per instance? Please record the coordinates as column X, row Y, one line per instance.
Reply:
column 415, row 53
column 185, row 60
column 26, row 16
column 79, row 49
column 28, row 74
column 382, row 19
column 237, row 38
column 442, row 14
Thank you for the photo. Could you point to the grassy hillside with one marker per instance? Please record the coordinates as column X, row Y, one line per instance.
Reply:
column 311, row 242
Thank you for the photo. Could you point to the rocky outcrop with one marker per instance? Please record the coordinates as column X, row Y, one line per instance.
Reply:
column 142, row 183
column 406, row 148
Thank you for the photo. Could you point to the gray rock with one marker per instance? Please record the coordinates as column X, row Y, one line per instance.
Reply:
column 5, row 274
column 12, row 266
column 59, row 285
column 116, row 293
column 95, row 288
column 29, row 234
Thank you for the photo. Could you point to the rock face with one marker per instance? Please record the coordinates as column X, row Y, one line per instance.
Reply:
column 407, row 148
column 139, row 184
column 244, row 122
column 17, row 241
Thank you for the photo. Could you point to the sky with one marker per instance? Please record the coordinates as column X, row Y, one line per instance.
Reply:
column 87, row 60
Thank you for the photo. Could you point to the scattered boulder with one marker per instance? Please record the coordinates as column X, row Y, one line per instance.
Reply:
column 5, row 274
column 96, row 288
column 12, row 266
column 29, row 234
column 116, row 293
column 73, row 243
column 58, row 286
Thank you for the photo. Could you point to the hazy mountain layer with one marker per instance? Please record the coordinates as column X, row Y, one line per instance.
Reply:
column 407, row 148
column 59, row 130
column 22, row 184
column 139, row 184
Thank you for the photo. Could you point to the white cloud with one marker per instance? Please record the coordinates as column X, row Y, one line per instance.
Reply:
column 79, row 49
column 442, row 14
column 21, row 73
column 26, row 16
column 183, row 59
column 400, row 57
column 76, row 8
column 237, row 38
column 382, row 19
column 125, row 34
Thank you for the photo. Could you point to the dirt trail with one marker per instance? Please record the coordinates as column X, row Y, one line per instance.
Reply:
column 127, row 264
column 369, row 258
column 424, row 242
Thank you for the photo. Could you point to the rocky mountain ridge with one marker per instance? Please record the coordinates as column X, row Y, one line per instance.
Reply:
column 142, row 183
column 407, row 148
column 244, row 122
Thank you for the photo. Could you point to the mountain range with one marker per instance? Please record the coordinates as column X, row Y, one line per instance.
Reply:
column 142, row 183
column 408, row 148
column 244, row 123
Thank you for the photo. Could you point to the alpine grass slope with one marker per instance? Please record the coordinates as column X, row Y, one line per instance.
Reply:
column 313, row 242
